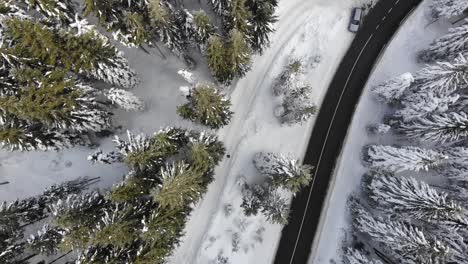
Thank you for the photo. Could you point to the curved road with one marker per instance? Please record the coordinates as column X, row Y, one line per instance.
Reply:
column 332, row 124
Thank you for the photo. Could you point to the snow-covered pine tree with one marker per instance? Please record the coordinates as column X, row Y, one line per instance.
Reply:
column 443, row 77
column 298, row 106
column 238, row 54
column 238, row 18
column 444, row 127
column 267, row 199
column 276, row 208
column 207, row 106
column 262, row 20
column 447, row 47
column 124, row 99
column 46, row 241
column 290, row 79
column 354, row 256
column 422, row 103
column 55, row 11
column 283, row 171
column 221, row 7
column 448, row 8
column 219, row 66
column 392, row 90
column 408, row 242
column 115, row 71
column 406, row 158
column 411, row 199
column 180, row 186
column 203, row 28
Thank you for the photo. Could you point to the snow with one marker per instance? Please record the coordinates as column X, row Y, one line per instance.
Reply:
column 305, row 30
column 399, row 58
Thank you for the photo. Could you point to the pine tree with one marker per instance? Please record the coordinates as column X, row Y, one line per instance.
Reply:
column 180, row 186
column 283, row 171
column 392, row 90
column 217, row 63
column 46, row 240
column 238, row 18
column 207, row 106
column 356, row 257
column 238, row 54
column 268, row 200
column 420, row 104
column 407, row 158
column 203, row 27
column 448, row 8
column 409, row 198
column 262, row 20
column 443, row 77
column 56, row 11
column 409, row 242
column 444, row 127
column 125, row 99
column 447, row 47
column 290, row 79
column 298, row 106
column 220, row 7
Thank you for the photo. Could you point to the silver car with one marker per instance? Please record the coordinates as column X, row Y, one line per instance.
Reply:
column 355, row 20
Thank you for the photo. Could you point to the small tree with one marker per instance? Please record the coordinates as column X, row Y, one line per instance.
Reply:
column 238, row 54
column 448, row 8
column 262, row 20
column 357, row 257
column 290, row 79
column 422, row 103
column 267, row 199
column 203, row 28
column 207, row 106
column 298, row 106
column 283, row 171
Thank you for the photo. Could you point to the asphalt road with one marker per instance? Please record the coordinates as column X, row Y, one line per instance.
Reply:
column 332, row 124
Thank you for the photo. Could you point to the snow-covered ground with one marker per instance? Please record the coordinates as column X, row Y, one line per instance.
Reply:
column 305, row 29
column 398, row 58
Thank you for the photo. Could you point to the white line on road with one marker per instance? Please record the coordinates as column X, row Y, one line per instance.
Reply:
column 324, row 144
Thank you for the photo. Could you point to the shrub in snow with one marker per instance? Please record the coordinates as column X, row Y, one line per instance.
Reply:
column 443, row 78
column 207, row 106
column 124, row 99
column 379, row 129
column 409, row 243
column 357, row 257
column 298, row 106
column 437, row 127
column 447, row 47
column 448, row 8
column 422, row 103
column 407, row 158
column 283, row 171
column 409, row 198
column 391, row 91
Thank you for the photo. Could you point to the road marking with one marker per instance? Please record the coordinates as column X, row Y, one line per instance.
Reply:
column 377, row 27
column 385, row 17
column 324, row 144
column 390, row 10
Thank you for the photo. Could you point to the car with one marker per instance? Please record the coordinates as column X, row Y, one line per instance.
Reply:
column 355, row 20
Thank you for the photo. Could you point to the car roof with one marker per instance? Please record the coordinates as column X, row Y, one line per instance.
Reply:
column 357, row 13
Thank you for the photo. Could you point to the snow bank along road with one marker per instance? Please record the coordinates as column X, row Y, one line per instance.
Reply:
column 332, row 123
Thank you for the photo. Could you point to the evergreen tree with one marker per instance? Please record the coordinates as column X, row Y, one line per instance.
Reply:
column 262, row 20
column 409, row 198
column 56, row 11
column 356, row 257
column 203, row 28
column 447, row 47
column 207, row 106
column 217, row 62
column 238, row 18
column 267, row 199
column 409, row 242
column 438, row 127
column 290, row 79
column 238, row 54
column 124, row 99
column 420, row 104
column 180, row 186
column 443, row 77
column 392, row 90
column 448, row 8
column 283, row 171
column 46, row 240
column 298, row 106
column 221, row 7
column 407, row 158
